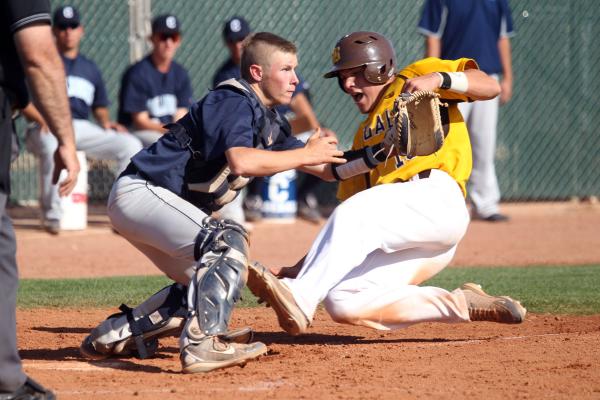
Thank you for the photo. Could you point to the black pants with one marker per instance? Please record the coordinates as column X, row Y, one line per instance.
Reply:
column 11, row 373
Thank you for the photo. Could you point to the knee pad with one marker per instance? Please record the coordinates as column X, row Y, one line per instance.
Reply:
column 217, row 284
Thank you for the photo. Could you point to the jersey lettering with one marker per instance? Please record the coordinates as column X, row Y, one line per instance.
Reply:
column 379, row 127
column 80, row 88
column 162, row 105
column 367, row 133
column 383, row 122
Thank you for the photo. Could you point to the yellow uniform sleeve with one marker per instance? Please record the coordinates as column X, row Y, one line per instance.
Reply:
column 432, row 64
column 455, row 155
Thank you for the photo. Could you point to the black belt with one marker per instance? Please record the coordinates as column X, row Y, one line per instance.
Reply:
column 424, row 174
column 421, row 175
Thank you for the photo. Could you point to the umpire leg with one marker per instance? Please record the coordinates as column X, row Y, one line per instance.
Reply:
column 11, row 374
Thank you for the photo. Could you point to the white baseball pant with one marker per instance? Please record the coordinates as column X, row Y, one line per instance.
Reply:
column 377, row 247
column 157, row 222
column 481, row 118
column 98, row 143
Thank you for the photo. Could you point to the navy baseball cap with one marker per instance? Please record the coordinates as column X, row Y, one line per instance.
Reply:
column 167, row 23
column 236, row 29
column 66, row 16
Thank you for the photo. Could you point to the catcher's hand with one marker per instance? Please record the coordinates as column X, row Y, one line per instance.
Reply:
column 416, row 125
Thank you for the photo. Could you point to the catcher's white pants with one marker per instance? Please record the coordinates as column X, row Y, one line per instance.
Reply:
column 481, row 118
column 98, row 143
column 377, row 247
column 159, row 223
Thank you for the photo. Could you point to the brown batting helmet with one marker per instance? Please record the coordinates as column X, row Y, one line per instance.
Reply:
column 370, row 49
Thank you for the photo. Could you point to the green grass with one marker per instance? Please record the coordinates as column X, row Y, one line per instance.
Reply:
column 544, row 289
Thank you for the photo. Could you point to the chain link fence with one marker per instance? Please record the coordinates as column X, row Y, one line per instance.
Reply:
column 547, row 144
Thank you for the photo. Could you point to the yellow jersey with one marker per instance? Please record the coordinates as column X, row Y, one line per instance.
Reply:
column 455, row 155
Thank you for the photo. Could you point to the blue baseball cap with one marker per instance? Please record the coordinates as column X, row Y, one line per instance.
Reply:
column 66, row 16
column 167, row 23
column 235, row 29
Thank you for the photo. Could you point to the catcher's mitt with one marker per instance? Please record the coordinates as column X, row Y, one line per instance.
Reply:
column 417, row 125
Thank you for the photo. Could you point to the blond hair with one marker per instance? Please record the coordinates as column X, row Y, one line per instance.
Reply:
column 257, row 49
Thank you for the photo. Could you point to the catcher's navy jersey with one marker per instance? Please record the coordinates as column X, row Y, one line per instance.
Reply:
column 223, row 119
column 144, row 88
column 229, row 70
column 85, row 86
column 469, row 28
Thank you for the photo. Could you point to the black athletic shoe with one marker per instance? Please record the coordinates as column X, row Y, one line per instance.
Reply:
column 497, row 217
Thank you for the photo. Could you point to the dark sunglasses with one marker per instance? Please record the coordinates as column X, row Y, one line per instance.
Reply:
column 68, row 26
column 166, row 36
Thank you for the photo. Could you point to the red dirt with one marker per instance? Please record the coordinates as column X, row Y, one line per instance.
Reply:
column 546, row 356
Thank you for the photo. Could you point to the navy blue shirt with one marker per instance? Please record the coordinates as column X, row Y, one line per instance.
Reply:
column 85, row 86
column 227, row 119
column 223, row 119
column 144, row 88
column 229, row 70
column 469, row 28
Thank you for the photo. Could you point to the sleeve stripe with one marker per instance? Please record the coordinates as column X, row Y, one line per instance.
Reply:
column 503, row 29
column 41, row 17
column 443, row 22
column 427, row 32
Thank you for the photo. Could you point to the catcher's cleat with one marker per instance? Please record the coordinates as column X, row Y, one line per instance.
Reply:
column 126, row 348
column 483, row 307
column 264, row 285
column 213, row 353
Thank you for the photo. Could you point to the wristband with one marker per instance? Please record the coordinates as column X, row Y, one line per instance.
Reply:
column 454, row 81
column 357, row 162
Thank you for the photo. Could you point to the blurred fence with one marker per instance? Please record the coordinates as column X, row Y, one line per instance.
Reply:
column 547, row 142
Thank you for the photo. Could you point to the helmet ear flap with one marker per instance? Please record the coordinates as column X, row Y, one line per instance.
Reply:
column 340, row 83
column 378, row 73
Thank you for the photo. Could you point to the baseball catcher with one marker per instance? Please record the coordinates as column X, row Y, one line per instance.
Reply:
column 161, row 203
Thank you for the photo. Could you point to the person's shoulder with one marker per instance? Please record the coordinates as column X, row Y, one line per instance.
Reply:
column 227, row 92
column 433, row 64
column 88, row 62
column 138, row 70
column 178, row 68
column 227, row 70
column 21, row 14
column 145, row 64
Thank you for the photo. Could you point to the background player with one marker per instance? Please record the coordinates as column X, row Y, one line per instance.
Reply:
column 156, row 90
column 162, row 201
column 401, row 219
column 480, row 30
column 106, row 140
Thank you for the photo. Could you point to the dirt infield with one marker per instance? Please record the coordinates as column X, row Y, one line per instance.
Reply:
column 547, row 356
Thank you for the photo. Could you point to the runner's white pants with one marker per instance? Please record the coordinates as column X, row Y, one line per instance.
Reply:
column 377, row 247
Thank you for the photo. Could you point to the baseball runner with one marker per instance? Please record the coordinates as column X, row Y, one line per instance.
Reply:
column 161, row 203
column 402, row 217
